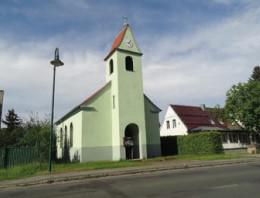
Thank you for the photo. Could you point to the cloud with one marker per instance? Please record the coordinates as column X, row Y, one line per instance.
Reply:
column 194, row 67
column 26, row 75
column 199, row 67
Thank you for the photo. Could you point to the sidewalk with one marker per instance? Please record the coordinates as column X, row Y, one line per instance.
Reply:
column 165, row 165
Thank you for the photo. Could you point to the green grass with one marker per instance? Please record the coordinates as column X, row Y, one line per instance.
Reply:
column 97, row 165
column 41, row 169
column 22, row 171
column 210, row 157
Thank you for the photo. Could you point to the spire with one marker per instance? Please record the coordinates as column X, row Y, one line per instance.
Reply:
column 124, row 41
column 118, row 40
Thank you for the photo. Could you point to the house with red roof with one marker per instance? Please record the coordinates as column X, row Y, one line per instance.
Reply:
column 118, row 121
column 184, row 120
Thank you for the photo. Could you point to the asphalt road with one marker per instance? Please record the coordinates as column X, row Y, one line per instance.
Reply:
column 214, row 182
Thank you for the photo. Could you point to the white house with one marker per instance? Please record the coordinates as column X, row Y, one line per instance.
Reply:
column 184, row 120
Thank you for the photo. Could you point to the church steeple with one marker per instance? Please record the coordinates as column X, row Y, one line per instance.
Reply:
column 124, row 71
column 124, row 41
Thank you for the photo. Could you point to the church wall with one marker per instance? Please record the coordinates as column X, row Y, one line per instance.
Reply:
column 152, row 130
column 75, row 150
column 97, row 128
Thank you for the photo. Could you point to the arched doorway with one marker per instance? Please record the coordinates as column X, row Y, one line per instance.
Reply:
column 131, row 142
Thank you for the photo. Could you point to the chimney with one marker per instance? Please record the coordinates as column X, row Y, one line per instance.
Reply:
column 203, row 107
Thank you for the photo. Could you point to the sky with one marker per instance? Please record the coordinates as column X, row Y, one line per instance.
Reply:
column 193, row 50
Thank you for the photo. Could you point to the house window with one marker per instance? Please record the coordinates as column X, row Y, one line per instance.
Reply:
column 129, row 63
column 61, row 138
column 224, row 138
column 168, row 124
column 173, row 123
column 111, row 66
column 233, row 137
column 71, row 135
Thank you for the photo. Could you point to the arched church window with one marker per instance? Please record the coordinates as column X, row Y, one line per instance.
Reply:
column 61, row 138
column 71, row 135
column 66, row 137
column 129, row 63
column 111, row 66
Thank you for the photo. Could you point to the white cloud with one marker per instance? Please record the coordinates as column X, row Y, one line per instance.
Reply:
column 26, row 76
column 201, row 66
column 198, row 67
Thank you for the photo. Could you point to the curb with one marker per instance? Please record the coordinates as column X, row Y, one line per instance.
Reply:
column 114, row 172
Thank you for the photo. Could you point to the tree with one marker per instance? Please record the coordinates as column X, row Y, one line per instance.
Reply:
column 12, row 120
column 256, row 74
column 243, row 104
column 37, row 134
column 217, row 113
column 14, row 131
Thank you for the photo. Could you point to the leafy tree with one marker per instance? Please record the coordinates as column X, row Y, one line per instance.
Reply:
column 37, row 135
column 217, row 113
column 243, row 104
column 256, row 74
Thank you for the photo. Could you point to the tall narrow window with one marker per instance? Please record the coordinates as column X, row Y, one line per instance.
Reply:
column 71, row 135
column 61, row 138
column 168, row 124
column 114, row 102
column 111, row 66
column 129, row 66
column 66, row 137
column 173, row 123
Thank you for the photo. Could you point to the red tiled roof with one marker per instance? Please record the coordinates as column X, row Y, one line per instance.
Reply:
column 194, row 117
column 118, row 40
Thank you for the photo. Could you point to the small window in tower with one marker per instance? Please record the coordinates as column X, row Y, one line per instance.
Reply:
column 129, row 63
column 111, row 66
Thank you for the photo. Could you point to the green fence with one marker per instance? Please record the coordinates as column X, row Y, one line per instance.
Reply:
column 10, row 157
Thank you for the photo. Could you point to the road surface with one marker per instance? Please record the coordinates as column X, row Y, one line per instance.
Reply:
column 214, row 182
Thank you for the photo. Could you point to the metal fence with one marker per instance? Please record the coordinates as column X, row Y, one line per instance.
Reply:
column 10, row 157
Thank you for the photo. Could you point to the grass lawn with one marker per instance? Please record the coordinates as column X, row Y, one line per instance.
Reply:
column 41, row 169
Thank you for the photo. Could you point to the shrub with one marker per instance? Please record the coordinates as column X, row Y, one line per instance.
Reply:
column 200, row 143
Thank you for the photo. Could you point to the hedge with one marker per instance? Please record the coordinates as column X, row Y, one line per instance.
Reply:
column 200, row 143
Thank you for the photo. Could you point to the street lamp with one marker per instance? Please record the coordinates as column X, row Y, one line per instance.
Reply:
column 56, row 63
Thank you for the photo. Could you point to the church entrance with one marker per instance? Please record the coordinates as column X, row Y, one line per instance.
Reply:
column 131, row 142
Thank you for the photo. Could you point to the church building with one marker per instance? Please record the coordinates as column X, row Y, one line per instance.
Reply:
column 118, row 121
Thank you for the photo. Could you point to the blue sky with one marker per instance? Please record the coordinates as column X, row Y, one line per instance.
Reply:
column 194, row 50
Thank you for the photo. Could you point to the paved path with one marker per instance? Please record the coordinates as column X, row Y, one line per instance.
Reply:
column 236, row 180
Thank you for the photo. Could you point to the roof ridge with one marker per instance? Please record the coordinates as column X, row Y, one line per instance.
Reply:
column 176, row 105
column 86, row 100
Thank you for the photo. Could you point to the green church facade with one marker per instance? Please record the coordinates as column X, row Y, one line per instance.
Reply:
column 117, row 122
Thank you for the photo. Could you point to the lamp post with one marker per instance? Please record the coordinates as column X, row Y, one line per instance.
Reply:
column 56, row 63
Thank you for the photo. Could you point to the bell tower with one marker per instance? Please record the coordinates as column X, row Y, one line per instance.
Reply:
column 124, row 70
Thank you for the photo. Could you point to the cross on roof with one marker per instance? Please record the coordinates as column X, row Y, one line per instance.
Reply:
column 125, row 19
